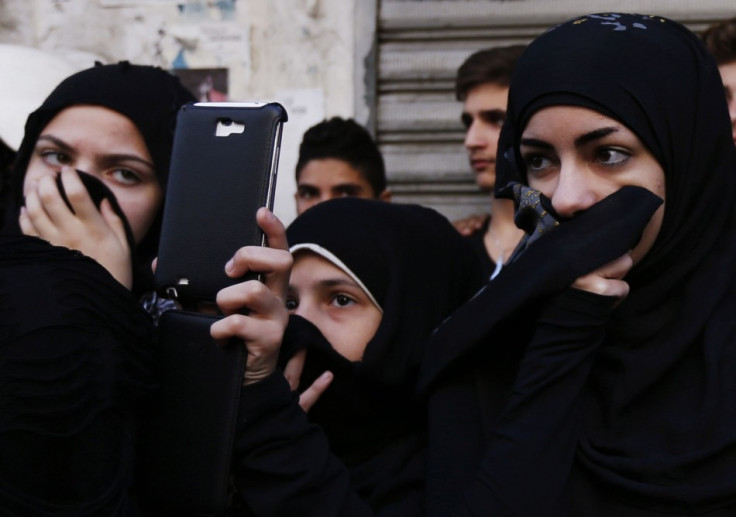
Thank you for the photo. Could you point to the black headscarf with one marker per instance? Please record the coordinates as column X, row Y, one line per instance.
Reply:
column 659, row 424
column 418, row 269
column 149, row 96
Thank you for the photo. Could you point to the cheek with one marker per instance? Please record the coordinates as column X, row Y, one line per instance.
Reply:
column 140, row 207
column 545, row 185
column 303, row 204
column 350, row 337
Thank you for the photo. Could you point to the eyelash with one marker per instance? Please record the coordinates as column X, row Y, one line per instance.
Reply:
column 532, row 156
column 598, row 154
column 291, row 300
column 626, row 155
column 347, row 298
column 59, row 156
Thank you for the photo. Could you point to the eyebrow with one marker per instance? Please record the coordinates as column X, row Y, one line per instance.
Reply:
column 347, row 187
column 338, row 282
column 328, row 283
column 580, row 141
column 55, row 141
column 495, row 112
column 596, row 134
column 108, row 158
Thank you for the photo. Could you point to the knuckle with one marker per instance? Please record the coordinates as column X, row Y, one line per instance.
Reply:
column 243, row 255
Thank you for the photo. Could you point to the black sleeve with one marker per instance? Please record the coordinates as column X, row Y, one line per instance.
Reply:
column 528, row 457
column 282, row 463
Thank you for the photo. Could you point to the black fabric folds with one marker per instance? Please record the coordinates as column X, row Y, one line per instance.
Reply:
column 658, row 420
column 409, row 258
column 420, row 270
column 76, row 362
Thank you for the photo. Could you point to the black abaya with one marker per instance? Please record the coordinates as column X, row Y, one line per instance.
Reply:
column 630, row 409
column 76, row 363
column 419, row 270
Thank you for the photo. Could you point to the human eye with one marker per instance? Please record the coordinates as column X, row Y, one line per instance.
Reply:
column 291, row 303
column 125, row 176
column 348, row 191
column 494, row 117
column 55, row 158
column 306, row 192
column 610, row 156
column 466, row 120
column 536, row 163
column 342, row 300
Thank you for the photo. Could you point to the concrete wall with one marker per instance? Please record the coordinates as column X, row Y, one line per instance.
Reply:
column 301, row 53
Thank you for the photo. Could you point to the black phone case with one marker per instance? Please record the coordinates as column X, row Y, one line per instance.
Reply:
column 188, row 431
column 216, row 185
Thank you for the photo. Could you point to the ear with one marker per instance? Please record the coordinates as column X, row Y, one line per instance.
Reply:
column 385, row 196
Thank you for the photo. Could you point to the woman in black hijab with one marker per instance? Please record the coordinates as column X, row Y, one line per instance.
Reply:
column 407, row 265
column 578, row 403
column 149, row 99
column 76, row 348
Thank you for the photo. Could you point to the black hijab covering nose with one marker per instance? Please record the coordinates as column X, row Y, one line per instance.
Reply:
column 660, row 419
column 411, row 260
column 656, row 77
column 419, row 269
column 149, row 96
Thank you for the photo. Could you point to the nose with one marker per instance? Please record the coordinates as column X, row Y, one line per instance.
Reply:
column 574, row 192
column 305, row 310
column 84, row 165
column 474, row 137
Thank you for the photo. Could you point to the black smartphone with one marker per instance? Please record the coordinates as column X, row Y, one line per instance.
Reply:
column 223, row 169
column 188, row 430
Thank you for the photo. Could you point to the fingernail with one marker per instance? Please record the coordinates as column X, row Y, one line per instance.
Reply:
column 229, row 266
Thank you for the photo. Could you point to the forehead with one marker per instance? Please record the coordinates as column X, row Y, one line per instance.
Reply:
column 486, row 96
column 99, row 115
column 93, row 124
column 568, row 121
column 328, row 172
column 310, row 269
column 315, row 266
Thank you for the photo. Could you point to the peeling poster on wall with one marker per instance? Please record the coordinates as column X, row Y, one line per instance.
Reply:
column 207, row 84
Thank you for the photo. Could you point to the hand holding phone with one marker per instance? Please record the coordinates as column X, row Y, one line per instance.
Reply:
column 257, row 318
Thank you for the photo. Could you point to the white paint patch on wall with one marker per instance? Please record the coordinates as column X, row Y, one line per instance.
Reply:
column 297, row 52
column 306, row 107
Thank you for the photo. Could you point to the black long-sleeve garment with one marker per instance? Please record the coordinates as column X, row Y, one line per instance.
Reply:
column 283, row 465
column 368, row 455
column 76, row 362
column 504, row 377
column 656, row 417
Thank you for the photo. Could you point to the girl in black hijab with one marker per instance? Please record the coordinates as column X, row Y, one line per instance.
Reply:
column 76, row 348
column 149, row 98
column 407, row 265
column 578, row 403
